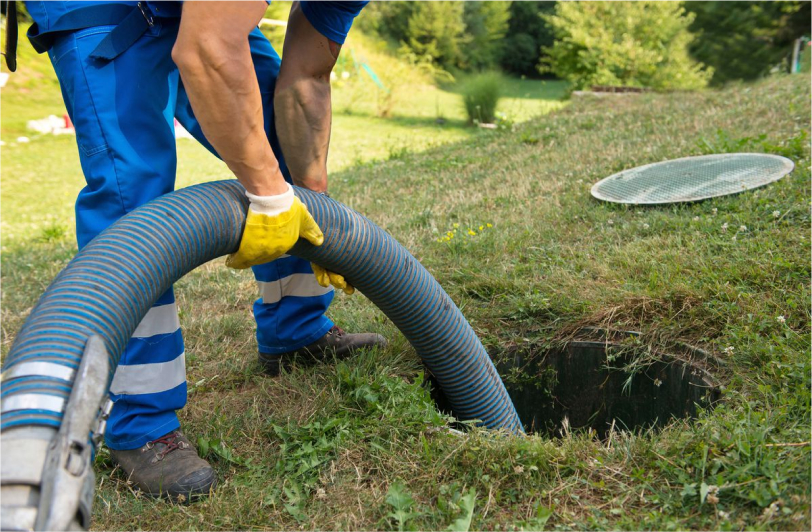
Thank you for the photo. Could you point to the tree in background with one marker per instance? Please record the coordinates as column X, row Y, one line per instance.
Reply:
column 456, row 35
column 436, row 29
column 744, row 40
column 527, row 34
column 390, row 20
column 634, row 44
column 486, row 24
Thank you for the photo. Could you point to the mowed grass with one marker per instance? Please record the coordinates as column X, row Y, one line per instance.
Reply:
column 359, row 445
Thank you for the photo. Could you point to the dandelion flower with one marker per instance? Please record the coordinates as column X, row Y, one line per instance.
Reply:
column 781, row 319
column 489, row 225
column 472, row 232
column 481, row 227
column 776, row 214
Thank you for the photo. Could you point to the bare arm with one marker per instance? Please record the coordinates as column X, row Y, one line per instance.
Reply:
column 214, row 59
column 302, row 101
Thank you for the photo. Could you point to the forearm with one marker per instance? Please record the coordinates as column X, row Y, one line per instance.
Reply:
column 219, row 78
column 303, row 119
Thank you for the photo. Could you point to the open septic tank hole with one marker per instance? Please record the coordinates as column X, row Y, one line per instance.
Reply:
column 601, row 385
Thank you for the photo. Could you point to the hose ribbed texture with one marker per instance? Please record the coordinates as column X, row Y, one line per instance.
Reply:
column 111, row 284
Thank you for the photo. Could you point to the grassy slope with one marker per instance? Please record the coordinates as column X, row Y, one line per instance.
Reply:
column 322, row 448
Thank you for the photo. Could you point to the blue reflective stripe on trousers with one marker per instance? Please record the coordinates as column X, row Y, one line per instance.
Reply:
column 123, row 112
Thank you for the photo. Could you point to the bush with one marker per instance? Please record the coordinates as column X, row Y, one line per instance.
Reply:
column 480, row 95
column 633, row 44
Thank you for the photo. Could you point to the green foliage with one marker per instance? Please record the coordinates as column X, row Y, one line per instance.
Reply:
column 464, row 505
column 635, row 44
column 388, row 19
column 436, row 29
column 462, row 35
column 744, row 40
column 486, row 24
column 480, row 95
column 527, row 34
column 401, row 501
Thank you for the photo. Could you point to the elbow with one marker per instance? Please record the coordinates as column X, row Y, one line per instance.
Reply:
column 193, row 55
column 186, row 55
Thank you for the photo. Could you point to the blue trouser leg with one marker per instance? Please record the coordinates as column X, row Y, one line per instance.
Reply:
column 291, row 307
column 123, row 113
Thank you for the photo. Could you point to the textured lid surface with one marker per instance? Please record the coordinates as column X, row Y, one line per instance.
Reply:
column 692, row 178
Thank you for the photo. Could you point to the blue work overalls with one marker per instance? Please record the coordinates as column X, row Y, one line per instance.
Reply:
column 123, row 111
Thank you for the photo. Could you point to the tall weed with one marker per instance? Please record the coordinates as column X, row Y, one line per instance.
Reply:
column 480, row 95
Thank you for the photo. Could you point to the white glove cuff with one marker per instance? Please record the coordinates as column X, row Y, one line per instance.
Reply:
column 271, row 205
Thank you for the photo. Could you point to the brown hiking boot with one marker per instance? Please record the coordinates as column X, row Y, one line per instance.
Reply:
column 167, row 467
column 336, row 343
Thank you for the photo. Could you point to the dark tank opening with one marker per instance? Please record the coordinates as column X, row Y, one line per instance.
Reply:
column 599, row 385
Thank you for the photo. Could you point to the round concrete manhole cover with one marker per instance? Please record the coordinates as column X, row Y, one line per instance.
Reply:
column 692, row 178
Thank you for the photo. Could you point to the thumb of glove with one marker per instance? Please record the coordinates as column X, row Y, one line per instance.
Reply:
column 309, row 229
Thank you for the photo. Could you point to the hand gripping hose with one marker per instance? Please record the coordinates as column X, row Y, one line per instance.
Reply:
column 110, row 285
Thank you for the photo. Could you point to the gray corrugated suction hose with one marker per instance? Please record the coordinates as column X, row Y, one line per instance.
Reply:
column 111, row 284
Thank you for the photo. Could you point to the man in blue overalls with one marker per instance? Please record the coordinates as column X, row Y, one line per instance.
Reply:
column 127, row 70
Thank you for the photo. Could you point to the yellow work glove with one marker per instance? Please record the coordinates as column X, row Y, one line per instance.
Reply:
column 273, row 226
column 327, row 278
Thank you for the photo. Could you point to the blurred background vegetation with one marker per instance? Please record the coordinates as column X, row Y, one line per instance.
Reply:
column 738, row 40
column 401, row 48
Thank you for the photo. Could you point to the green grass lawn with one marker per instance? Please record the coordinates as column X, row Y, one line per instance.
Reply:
column 359, row 445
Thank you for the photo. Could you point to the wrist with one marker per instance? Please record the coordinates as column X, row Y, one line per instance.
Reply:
column 272, row 205
column 265, row 180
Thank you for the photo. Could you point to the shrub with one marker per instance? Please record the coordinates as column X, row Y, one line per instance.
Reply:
column 480, row 95
column 635, row 44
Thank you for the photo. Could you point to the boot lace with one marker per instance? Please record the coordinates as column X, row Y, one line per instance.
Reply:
column 337, row 331
column 169, row 442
